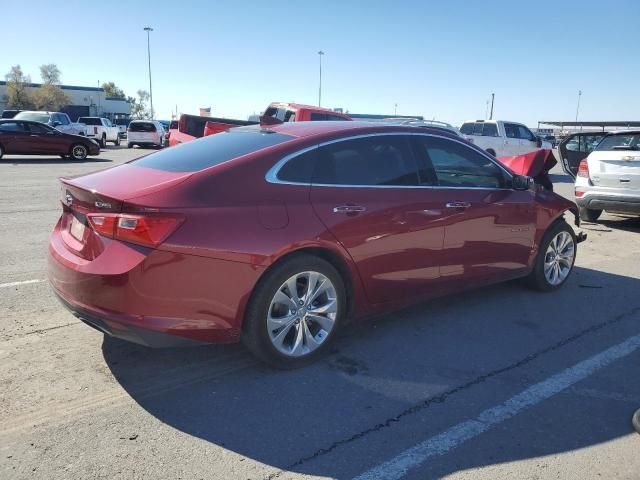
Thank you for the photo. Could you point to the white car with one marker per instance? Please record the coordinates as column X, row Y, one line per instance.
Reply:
column 101, row 130
column 502, row 138
column 148, row 133
column 609, row 178
column 58, row 120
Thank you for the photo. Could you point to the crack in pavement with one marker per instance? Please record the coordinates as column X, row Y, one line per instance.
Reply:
column 441, row 398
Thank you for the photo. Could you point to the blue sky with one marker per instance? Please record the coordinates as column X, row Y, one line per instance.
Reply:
column 437, row 59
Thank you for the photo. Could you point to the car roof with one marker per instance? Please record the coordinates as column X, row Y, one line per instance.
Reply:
column 342, row 128
column 624, row 132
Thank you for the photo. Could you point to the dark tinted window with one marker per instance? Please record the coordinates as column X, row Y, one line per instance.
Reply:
column 525, row 134
column 11, row 127
column 299, row 169
column 335, row 118
column 212, row 150
column 39, row 128
column 173, row 125
column 142, row 127
column 467, row 128
column 318, row 117
column 456, row 165
column 90, row 121
column 629, row 141
column 63, row 119
column 378, row 160
column 477, row 129
column 490, row 130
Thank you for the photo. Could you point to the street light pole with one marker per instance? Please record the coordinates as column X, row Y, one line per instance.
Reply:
column 578, row 107
column 149, row 30
column 320, row 54
column 493, row 96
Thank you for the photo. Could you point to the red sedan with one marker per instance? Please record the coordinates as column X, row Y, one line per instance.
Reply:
column 276, row 236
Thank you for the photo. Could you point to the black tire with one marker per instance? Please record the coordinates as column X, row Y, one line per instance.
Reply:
column 491, row 151
column 537, row 279
column 589, row 215
column 129, row 145
column 103, row 141
column 1, row 151
column 117, row 142
column 255, row 333
column 78, row 152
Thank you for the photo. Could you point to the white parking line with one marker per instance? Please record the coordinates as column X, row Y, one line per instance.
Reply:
column 440, row 444
column 15, row 284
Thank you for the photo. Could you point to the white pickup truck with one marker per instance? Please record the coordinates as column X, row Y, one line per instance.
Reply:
column 101, row 130
column 501, row 138
column 58, row 120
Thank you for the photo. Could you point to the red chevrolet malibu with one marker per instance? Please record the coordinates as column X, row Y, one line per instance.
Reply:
column 277, row 236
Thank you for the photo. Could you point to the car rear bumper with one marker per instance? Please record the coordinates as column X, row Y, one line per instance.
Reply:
column 607, row 201
column 153, row 297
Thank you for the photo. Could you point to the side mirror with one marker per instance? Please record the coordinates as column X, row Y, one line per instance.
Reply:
column 538, row 142
column 55, row 124
column 521, row 182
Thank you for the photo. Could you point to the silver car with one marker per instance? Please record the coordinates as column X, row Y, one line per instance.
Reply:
column 609, row 178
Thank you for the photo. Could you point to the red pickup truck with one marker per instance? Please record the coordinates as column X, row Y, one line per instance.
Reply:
column 191, row 127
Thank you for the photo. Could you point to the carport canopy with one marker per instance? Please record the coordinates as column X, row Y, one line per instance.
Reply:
column 602, row 124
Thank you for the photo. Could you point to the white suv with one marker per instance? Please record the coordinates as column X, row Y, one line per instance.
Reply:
column 609, row 178
column 145, row 133
column 501, row 138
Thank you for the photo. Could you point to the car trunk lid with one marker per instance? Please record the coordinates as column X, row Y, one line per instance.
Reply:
column 615, row 168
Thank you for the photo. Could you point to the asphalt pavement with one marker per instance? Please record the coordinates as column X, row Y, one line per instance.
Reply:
column 501, row 382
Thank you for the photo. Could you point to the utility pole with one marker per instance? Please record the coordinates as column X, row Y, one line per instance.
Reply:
column 486, row 111
column 578, row 107
column 395, row 110
column 493, row 96
column 320, row 54
column 149, row 30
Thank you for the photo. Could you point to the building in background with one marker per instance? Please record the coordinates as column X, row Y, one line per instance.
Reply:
column 85, row 102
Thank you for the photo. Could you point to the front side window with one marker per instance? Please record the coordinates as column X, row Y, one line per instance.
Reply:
column 456, row 165
column 38, row 129
column 373, row 161
column 11, row 127
column 511, row 130
column 63, row 119
column 525, row 134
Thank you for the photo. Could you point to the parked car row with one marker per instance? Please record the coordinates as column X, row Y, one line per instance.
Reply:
column 502, row 138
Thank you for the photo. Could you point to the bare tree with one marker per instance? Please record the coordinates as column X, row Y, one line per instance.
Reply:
column 50, row 74
column 17, row 95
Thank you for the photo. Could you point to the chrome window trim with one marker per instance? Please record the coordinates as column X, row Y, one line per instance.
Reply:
column 272, row 174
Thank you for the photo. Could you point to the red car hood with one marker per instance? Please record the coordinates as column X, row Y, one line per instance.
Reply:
column 531, row 164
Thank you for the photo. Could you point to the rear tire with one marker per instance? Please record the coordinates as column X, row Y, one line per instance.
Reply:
column 78, row 152
column 1, row 151
column 589, row 215
column 285, row 335
column 129, row 145
column 556, row 257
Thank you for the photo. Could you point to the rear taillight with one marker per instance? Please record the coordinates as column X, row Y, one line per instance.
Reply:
column 578, row 193
column 146, row 230
column 583, row 169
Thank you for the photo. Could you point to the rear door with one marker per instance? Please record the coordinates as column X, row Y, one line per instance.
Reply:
column 490, row 229
column 15, row 138
column 368, row 194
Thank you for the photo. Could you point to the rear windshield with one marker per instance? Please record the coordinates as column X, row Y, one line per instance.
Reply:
column 142, row 127
column 620, row 142
column 33, row 116
column 212, row 150
column 89, row 121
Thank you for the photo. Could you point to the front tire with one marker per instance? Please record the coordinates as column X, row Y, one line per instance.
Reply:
column 117, row 141
column 589, row 215
column 129, row 145
column 79, row 152
column 103, row 141
column 294, row 312
column 555, row 259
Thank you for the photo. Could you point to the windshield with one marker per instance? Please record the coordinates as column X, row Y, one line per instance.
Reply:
column 212, row 150
column 90, row 121
column 33, row 116
column 629, row 141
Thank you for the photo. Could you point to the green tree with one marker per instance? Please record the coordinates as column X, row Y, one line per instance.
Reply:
column 50, row 97
column 112, row 90
column 50, row 74
column 139, row 108
column 17, row 95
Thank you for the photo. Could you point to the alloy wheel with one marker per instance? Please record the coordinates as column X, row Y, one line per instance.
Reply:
column 558, row 259
column 79, row 152
column 302, row 313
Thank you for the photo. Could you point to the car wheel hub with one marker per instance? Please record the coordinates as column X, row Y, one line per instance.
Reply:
column 559, row 257
column 302, row 313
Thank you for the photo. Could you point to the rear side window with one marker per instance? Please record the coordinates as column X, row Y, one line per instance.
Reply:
column 10, row 127
column 489, row 130
column 378, row 160
column 299, row 169
column 456, row 165
column 212, row 150
column 142, row 127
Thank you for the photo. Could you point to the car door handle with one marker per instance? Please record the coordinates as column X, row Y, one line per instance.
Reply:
column 457, row 205
column 349, row 209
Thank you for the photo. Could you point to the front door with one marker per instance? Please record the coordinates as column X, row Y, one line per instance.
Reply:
column 47, row 140
column 367, row 192
column 489, row 233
